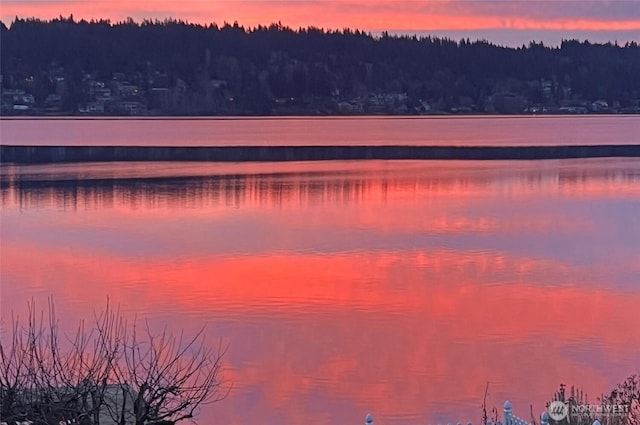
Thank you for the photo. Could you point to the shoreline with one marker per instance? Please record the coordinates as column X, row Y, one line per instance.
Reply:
column 22, row 154
column 295, row 117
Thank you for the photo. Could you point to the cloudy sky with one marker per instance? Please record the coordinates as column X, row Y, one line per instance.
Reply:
column 510, row 22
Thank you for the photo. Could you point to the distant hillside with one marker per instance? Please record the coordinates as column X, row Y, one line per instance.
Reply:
column 175, row 68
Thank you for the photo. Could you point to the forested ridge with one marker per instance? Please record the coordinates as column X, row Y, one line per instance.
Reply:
column 171, row 67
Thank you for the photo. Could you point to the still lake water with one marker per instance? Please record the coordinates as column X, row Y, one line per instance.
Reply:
column 470, row 131
column 398, row 288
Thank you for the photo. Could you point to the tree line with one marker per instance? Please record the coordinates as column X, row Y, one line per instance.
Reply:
column 230, row 68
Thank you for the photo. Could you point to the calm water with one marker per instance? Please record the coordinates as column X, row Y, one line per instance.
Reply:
column 396, row 288
column 525, row 130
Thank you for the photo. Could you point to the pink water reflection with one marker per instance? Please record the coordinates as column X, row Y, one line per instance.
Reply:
column 297, row 131
column 392, row 290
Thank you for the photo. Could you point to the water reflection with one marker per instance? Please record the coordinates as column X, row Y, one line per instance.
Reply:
column 276, row 185
column 342, row 288
column 323, row 131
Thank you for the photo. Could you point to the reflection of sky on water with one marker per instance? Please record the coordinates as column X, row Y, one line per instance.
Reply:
column 323, row 131
column 423, row 210
column 397, row 288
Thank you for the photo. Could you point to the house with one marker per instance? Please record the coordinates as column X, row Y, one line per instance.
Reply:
column 130, row 107
column 600, row 106
column 93, row 86
column 95, row 108
column 217, row 84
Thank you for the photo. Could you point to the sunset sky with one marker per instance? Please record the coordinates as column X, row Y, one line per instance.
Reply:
column 509, row 22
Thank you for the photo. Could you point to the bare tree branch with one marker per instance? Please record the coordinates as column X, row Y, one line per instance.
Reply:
column 107, row 370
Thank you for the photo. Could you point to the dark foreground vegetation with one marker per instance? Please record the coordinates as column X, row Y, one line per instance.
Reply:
column 620, row 407
column 107, row 372
column 68, row 67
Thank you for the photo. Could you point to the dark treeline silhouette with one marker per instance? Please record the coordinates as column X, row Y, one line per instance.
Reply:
column 172, row 67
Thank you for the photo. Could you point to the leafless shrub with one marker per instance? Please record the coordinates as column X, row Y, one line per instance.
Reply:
column 621, row 407
column 108, row 371
column 628, row 394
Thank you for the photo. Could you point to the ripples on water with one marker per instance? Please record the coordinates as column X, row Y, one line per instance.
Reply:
column 397, row 288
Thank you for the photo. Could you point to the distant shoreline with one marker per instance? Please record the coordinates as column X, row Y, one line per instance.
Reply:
column 296, row 117
column 73, row 154
column 63, row 67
